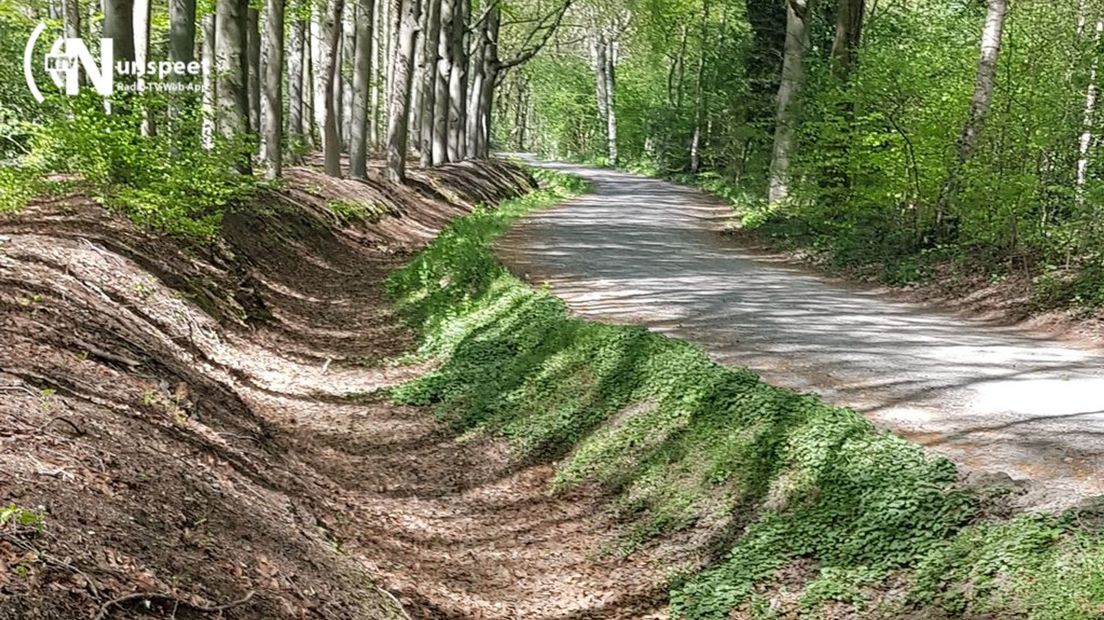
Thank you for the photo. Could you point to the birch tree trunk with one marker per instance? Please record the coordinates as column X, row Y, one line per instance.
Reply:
column 209, row 101
column 297, row 34
column 272, row 111
column 399, row 103
column 699, row 100
column 441, row 88
column 253, row 71
column 1088, row 119
column 331, row 55
column 611, row 108
column 982, row 100
column 429, row 79
column 793, row 76
column 362, row 76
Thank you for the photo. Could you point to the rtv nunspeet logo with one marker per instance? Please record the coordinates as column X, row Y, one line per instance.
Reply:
column 69, row 56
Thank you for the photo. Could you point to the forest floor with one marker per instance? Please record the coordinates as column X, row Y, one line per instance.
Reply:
column 1000, row 400
column 205, row 430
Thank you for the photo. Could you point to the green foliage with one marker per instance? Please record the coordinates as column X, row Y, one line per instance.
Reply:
column 348, row 211
column 681, row 440
column 166, row 184
column 17, row 186
column 16, row 519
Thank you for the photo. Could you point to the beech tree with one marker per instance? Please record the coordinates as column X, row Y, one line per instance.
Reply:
column 399, row 103
column 362, row 76
column 793, row 76
column 330, row 58
column 272, row 112
column 231, row 74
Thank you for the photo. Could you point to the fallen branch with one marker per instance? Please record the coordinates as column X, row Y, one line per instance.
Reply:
column 105, row 609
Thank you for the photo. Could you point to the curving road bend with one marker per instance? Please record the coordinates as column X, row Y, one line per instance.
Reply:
column 994, row 399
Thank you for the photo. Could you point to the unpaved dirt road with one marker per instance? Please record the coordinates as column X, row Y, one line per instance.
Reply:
column 995, row 399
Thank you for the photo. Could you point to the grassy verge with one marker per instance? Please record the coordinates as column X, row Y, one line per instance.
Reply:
column 777, row 477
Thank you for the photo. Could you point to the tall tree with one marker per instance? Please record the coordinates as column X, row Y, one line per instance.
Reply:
column 399, row 104
column 362, row 76
column 980, row 104
column 458, row 80
column 429, row 78
column 209, row 102
column 253, row 71
column 699, row 98
column 441, row 88
column 1088, row 115
column 845, row 43
column 348, row 59
column 182, row 41
column 272, row 112
column 118, row 25
column 331, row 55
column 141, row 56
column 296, row 79
column 798, row 13
column 231, row 74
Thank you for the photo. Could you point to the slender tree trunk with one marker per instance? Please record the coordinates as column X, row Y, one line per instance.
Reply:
column 979, row 106
column 458, row 82
column 611, row 107
column 377, row 64
column 310, row 128
column 253, row 72
column 475, row 93
column 272, row 103
column 699, row 101
column 362, row 76
column 793, row 76
column 331, row 55
column 348, row 56
column 141, row 56
column 297, row 34
column 399, row 104
column 318, row 47
column 598, row 55
column 479, row 131
column 1088, row 118
column 441, row 88
column 71, row 24
column 209, row 99
column 429, row 79
column 182, row 39
column 416, row 93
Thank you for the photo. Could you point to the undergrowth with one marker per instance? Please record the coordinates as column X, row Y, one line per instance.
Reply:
column 681, row 441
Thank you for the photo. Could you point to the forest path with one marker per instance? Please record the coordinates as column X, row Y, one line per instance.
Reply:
column 992, row 398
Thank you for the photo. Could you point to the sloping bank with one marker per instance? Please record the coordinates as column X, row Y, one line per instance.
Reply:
column 782, row 506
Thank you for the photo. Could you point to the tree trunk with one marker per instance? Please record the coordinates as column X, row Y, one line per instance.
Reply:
column 458, row 81
column 611, row 108
column 429, row 79
column 1088, row 118
column 209, row 100
column 253, row 71
column 479, row 127
column 310, row 128
column 71, row 25
column 377, row 64
column 979, row 107
column 475, row 92
column 231, row 69
column 272, row 102
column 331, row 56
column 441, row 88
column 849, row 24
column 399, row 104
column 118, row 25
column 793, row 75
column 362, row 76
column 348, row 56
column 416, row 93
column 141, row 57
column 182, row 38
column 318, row 47
column 295, row 81
column 699, row 101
